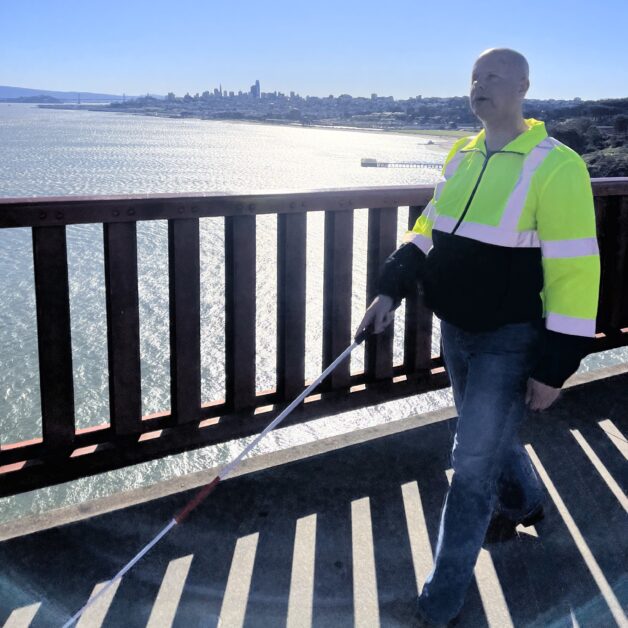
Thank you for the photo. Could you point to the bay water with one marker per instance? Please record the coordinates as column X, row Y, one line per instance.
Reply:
column 46, row 152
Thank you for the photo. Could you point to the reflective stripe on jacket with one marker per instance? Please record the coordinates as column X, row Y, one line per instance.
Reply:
column 533, row 193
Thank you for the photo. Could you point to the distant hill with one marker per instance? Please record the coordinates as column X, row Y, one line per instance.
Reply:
column 7, row 91
column 40, row 98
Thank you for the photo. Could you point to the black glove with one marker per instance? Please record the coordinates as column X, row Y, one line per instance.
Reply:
column 401, row 273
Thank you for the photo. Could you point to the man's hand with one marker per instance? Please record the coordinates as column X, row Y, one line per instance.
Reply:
column 379, row 314
column 540, row 396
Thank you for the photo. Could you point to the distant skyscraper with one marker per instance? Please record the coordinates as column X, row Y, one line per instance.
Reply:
column 255, row 90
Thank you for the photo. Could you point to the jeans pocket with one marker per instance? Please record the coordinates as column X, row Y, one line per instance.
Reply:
column 514, row 338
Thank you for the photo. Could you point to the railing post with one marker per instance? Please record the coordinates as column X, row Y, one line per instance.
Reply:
column 606, row 228
column 612, row 229
column 54, row 338
column 620, row 306
column 185, row 319
column 240, row 311
column 418, row 323
column 337, row 293
column 291, row 248
column 382, row 238
column 123, row 327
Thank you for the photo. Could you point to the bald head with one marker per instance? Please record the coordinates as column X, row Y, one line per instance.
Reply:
column 499, row 83
column 512, row 61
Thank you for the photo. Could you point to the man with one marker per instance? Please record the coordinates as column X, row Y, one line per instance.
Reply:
column 506, row 255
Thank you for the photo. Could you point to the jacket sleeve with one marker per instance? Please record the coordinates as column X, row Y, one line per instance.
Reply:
column 560, row 357
column 403, row 268
column 401, row 272
column 571, row 271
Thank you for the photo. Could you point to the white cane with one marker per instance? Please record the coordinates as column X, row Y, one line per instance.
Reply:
column 208, row 488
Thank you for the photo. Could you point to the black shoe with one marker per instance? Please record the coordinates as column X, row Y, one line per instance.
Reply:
column 423, row 622
column 402, row 611
column 502, row 528
column 405, row 612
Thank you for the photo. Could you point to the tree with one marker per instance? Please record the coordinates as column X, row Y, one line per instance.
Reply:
column 570, row 136
column 595, row 140
column 170, row 97
column 620, row 124
column 582, row 124
column 599, row 112
column 605, row 163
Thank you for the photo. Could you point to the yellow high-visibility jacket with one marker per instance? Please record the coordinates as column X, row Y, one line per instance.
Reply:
column 530, row 200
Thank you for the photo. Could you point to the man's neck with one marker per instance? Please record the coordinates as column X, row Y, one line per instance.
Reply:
column 502, row 132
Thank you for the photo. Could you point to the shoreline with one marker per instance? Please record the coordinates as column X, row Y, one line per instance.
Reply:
column 440, row 138
column 438, row 141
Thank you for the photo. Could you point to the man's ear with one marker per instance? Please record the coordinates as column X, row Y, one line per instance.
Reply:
column 524, row 86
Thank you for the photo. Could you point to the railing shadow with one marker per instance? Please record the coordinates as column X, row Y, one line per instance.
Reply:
column 325, row 540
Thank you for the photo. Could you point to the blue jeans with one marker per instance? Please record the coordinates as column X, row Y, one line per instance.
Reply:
column 492, row 471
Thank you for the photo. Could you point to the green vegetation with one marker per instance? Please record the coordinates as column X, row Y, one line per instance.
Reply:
column 608, row 162
column 601, row 137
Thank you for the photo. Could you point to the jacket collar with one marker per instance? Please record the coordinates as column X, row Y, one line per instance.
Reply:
column 523, row 143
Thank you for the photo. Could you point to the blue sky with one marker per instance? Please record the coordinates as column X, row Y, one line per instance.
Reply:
column 402, row 48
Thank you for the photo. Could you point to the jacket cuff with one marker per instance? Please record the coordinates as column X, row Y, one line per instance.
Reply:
column 559, row 357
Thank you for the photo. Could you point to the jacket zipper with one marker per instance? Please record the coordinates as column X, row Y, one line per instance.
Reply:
column 464, row 213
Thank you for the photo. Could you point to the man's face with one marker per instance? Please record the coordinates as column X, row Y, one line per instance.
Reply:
column 496, row 88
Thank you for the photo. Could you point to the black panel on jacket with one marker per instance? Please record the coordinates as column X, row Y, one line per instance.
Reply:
column 479, row 287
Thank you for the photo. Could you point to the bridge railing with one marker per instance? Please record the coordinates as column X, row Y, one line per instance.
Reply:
column 63, row 452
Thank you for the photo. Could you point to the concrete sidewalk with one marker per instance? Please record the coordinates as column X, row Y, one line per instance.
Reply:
column 326, row 534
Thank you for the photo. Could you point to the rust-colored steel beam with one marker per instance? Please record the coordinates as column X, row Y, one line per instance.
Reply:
column 54, row 340
column 337, row 285
column 123, row 327
column 185, row 319
column 240, row 311
column 291, row 249
column 382, row 241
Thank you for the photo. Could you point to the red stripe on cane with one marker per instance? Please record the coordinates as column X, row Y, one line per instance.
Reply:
column 200, row 496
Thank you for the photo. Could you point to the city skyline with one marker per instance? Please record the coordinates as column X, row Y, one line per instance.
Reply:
column 7, row 92
column 316, row 50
